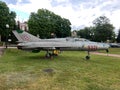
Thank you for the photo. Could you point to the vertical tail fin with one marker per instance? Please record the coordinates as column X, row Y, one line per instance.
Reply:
column 23, row 36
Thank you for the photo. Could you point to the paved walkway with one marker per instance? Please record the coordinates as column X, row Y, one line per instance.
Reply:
column 112, row 55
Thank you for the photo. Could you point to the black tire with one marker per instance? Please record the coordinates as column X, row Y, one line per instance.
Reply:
column 87, row 57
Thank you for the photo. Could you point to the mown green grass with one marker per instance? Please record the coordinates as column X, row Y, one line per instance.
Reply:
column 70, row 71
column 113, row 51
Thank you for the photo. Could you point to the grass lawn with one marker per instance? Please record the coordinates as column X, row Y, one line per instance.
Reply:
column 69, row 71
column 113, row 51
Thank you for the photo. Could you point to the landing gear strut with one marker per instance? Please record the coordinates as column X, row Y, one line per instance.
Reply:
column 88, row 56
column 107, row 51
column 48, row 55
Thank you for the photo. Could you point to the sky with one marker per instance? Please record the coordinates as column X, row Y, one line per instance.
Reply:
column 81, row 13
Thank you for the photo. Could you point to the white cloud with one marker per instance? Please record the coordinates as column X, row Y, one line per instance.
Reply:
column 115, row 17
column 80, row 13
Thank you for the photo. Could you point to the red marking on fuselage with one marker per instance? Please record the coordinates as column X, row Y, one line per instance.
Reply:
column 92, row 47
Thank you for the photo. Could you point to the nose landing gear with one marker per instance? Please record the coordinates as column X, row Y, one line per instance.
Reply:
column 88, row 56
column 107, row 51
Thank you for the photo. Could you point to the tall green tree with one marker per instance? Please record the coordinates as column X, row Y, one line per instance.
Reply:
column 118, row 37
column 45, row 22
column 103, row 29
column 86, row 32
column 6, row 17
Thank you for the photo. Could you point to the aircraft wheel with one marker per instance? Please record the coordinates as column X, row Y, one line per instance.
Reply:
column 87, row 57
column 48, row 55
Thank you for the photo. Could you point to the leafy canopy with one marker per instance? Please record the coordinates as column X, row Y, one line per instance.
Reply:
column 101, row 31
column 6, row 17
column 118, row 37
column 44, row 23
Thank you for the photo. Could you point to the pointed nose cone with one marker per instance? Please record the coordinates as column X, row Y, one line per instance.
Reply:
column 103, row 46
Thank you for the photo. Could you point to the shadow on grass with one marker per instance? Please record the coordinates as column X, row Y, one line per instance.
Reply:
column 27, row 57
column 56, row 58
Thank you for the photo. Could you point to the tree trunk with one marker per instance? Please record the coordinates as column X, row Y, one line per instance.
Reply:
column 0, row 38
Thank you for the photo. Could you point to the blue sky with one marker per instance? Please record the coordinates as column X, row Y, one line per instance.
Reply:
column 81, row 13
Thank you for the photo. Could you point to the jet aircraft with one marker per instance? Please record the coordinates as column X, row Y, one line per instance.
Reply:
column 32, row 43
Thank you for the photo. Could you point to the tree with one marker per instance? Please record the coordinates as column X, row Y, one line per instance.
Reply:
column 103, row 29
column 6, row 17
column 45, row 22
column 87, row 33
column 101, row 21
column 118, row 37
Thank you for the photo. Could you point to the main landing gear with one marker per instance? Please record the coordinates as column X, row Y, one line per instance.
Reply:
column 48, row 55
column 107, row 51
column 53, row 53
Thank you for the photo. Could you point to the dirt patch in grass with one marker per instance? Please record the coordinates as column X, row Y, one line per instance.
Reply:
column 48, row 70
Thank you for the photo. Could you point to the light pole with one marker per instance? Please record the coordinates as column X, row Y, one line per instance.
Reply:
column 7, row 27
